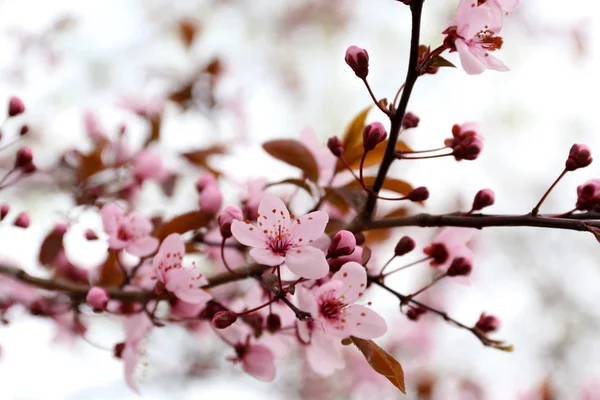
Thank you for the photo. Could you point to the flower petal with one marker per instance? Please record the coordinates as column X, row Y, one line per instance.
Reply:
column 247, row 234
column 354, row 281
column 308, row 228
column 324, row 355
column 266, row 257
column 111, row 214
column 307, row 262
column 139, row 224
column 142, row 246
column 470, row 62
column 493, row 63
column 272, row 213
column 259, row 362
column 169, row 255
column 185, row 284
column 364, row 323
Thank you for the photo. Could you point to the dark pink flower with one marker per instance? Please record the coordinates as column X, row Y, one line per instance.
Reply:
column 278, row 239
column 343, row 243
column 130, row 232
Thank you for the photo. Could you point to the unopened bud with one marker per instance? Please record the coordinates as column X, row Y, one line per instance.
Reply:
column 588, row 195
column 580, row 156
column 487, row 323
column 418, row 194
column 273, row 323
column 414, row 313
column 334, row 144
column 224, row 319
column 22, row 220
column 460, row 267
column 373, row 134
column 466, row 142
column 410, row 121
column 343, row 243
column 24, row 130
column 15, row 106
column 24, row 157
column 97, row 298
column 358, row 60
column 229, row 214
column 204, row 181
column 4, row 209
column 484, row 198
column 211, row 199
column 405, row 245
column 438, row 252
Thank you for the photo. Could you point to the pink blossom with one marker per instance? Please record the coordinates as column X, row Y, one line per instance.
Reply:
column 331, row 306
column 473, row 33
column 148, row 165
column 131, row 232
column 184, row 283
column 279, row 238
column 97, row 298
column 326, row 161
column 136, row 328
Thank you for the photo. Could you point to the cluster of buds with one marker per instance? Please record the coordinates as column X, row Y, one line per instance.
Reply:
column 580, row 156
column 466, row 142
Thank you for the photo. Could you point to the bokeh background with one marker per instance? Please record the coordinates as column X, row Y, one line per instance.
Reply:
column 283, row 70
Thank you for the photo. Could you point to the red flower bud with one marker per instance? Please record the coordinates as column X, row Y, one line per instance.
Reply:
column 229, row 214
column 588, row 195
column 224, row 319
column 4, row 209
column 405, row 245
column 414, row 313
column 360, row 238
column 343, row 243
column 24, row 157
column 487, row 323
column 466, row 142
column 334, row 144
column 273, row 323
column 358, row 60
column 15, row 106
column 97, row 298
column 460, row 266
column 419, row 194
column 373, row 134
column 580, row 156
column 410, row 121
column 438, row 252
column 22, row 220
column 24, row 130
column 483, row 198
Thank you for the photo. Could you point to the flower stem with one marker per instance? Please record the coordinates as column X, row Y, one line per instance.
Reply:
column 536, row 209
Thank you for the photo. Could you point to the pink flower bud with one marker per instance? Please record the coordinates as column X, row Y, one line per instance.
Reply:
column 414, row 313
column 90, row 235
column 588, row 195
column 580, row 156
column 405, row 245
column 24, row 157
column 22, row 220
column 343, row 243
column 373, row 134
column 484, row 198
column 336, row 263
column 273, row 323
column 205, row 181
column 418, row 194
column 334, row 144
column 15, row 106
column 229, row 214
column 487, row 323
column 24, row 130
column 224, row 319
column 410, row 121
column 466, row 142
column 211, row 199
column 4, row 209
column 358, row 60
column 97, row 298
column 460, row 266
column 438, row 252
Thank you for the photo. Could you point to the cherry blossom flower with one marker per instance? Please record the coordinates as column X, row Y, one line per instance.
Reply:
column 130, row 232
column 473, row 33
column 148, row 165
column 136, row 329
column 279, row 238
column 184, row 283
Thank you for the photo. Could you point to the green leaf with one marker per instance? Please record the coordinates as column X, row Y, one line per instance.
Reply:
column 294, row 153
column 381, row 361
column 296, row 182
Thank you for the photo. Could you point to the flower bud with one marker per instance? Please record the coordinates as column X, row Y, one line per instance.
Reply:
column 336, row 263
column 24, row 130
column 90, row 235
column 487, row 323
column 273, row 323
column 24, row 157
column 358, row 60
column 414, row 313
column 588, row 195
column 4, row 209
column 580, row 156
column 22, row 220
column 419, row 194
column 343, row 243
column 211, row 199
column 484, row 198
column 224, row 319
column 360, row 238
column 460, row 266
column 466, row 142
column 373, row 134
column 334, row 144
column 204, row 181
column 15, row 106
column 229, row 214
column 97, row 298
column 410, row 121
column 405, row 245
column 438, row 252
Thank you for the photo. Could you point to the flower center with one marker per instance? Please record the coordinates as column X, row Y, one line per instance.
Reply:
column 330, row 307
column 124, row 234
column 279, row 240
column 489, row 41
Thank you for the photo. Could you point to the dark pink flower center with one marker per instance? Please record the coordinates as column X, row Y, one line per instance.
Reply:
column 279, row 241
column 330, row 307
column 124, row 234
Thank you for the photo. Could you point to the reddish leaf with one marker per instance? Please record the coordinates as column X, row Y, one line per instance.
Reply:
column 381, row 235
column 398, row 212
column 335, row 225
column 50, row 248
column 381, row 361
column 353, row 197
column 336, row 199
column 91, row 163
column 296, row 182
column 110, row 272
column 183, row 223
column 184, row 94
column 294, row 153
column 201, row 157
column 366, row 255
column 352, row 138
column 391, row 184
column 374, row 157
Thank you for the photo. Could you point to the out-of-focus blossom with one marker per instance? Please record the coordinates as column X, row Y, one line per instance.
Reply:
column 130, row 232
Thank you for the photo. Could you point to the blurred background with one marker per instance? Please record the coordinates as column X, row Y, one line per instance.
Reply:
column 280, row 68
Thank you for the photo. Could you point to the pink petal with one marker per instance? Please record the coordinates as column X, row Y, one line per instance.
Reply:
column 324, row 354
column 508, row 5
column 142, row 246
column 354, row 280
column 493, row 63
column 306, row 302
column 185, row 284
column 322, row 242
column 307, row 262
column 130, row 357
column 116, row 243
column 364, row 323
column 454, row 236
column 473, row 21
column 247, row 234
column 139, row 224
column 272, row 213
column 470, row 63
column 111, row 214
column 258, row 362
column 266, row 257
column 169, row 255
column 306, row 229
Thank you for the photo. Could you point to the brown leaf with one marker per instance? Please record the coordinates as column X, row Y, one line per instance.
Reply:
column 296, row 182
column 201, row 157
column 155, row 128
column 381, row 361
column 50, row 248
column 187, row 31
column 335, row 225
column 391, row 184
column 184, row 94
column 183, row 223
column 294, row 153
column 91, row 163
column 350, row 196
column 374, row 157
column 110, row 272
column 381, row 235
column 353, row 136
column 439, row 61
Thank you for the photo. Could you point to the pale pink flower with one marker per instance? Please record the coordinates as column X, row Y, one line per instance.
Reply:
column 473, row 33
column 130, row 232
column 279, row 238
column 184, row 283
column 148, row 165
column 136, row 328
